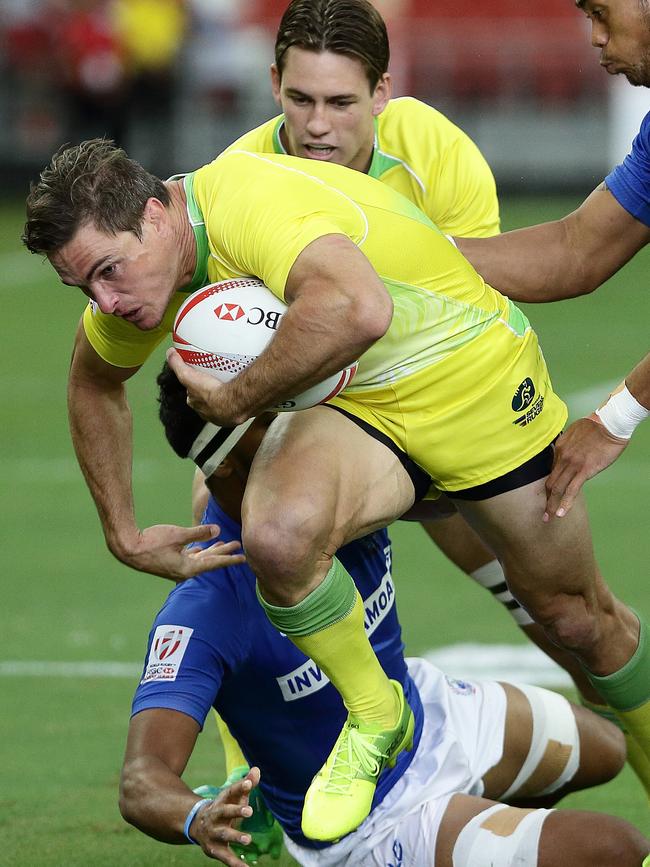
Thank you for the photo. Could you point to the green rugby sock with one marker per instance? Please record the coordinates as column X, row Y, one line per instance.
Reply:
column 328, row 627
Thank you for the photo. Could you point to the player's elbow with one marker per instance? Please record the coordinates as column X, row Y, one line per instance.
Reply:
column 132, row 788
column 370, row 317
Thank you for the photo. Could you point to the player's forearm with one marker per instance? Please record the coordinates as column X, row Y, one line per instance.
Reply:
column 536, row 264
column 155, row 800
column 638, row 382
column 100, row 424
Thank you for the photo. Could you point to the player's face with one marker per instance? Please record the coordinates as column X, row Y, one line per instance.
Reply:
column 328, row 106
column 621, row 30
column 126, row 276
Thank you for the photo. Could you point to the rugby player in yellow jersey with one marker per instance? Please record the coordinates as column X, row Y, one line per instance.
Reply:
column 452, row 394
column 331, row 81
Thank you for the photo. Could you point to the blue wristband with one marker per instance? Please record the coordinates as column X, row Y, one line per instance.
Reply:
column 190, row 818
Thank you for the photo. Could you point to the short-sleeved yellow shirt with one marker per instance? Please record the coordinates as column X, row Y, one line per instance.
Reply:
column 424, row 156
column 468, row 349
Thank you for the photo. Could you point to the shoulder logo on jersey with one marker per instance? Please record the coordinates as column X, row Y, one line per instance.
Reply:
column 524, row 399
column 167, row 650
column 308, row 678
column 94, row 307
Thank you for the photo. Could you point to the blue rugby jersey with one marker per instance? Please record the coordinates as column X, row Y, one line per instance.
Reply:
column 212, row 645
column 629, row 182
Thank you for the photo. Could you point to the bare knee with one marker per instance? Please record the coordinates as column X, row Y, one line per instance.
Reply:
column 570, row 620
column 591, row 839
column 284, row 550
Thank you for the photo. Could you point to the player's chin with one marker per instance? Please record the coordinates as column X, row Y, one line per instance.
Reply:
column 148, row 320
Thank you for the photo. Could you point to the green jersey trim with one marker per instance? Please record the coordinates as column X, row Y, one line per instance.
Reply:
column 197, row 222
column 426, row 328
column 517, row 321
column 381, row 162
column 278, row 147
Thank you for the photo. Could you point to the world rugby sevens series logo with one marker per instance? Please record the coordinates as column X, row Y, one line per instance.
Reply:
column 166, row 645
column 524, row 395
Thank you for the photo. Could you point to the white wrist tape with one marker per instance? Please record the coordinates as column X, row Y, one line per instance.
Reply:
column 622, row 413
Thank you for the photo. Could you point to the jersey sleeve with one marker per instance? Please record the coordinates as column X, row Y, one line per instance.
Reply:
column 465, row 191
column 248, row 230
column 119, row 342
column 197, row 639
column 629, row 182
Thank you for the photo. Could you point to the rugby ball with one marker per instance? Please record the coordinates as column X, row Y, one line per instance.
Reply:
column 223, row 328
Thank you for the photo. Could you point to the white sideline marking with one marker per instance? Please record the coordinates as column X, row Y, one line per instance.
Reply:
column 49, row 668
column 513, row 662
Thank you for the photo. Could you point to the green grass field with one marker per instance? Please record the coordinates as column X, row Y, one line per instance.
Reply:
column 66, row 600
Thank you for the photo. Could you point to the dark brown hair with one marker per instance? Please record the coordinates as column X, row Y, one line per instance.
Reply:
column 351, row 27
column 93, row 182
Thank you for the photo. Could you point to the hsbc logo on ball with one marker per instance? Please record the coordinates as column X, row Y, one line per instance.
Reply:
column 167, row 650
column 229, row 312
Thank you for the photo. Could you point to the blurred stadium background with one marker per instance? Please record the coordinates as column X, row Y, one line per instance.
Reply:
column 175, row 81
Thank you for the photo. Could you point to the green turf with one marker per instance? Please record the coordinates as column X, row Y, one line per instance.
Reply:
column 66, row 599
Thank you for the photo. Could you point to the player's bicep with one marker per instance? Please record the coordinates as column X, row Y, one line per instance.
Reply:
column 166, row 735
column 603, row 235
column 330, row 265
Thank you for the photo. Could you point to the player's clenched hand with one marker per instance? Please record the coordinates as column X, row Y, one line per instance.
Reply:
column 586, row 448
column 213, row 827
column 204, row 392
column 162, row 550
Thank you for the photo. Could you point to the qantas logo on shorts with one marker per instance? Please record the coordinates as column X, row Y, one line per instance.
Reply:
column 168, row 648
column 229, row 312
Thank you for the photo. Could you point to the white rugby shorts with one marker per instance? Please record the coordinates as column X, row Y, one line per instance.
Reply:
column 462, row 738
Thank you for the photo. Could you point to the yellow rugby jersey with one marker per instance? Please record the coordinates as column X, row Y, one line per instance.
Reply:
column 262, row 210
column 445, row 381
column 425, row 157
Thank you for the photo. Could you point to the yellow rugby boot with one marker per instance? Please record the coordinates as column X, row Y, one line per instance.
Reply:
column 340, row 795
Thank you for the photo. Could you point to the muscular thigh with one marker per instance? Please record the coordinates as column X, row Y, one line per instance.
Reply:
column 538, row 558
column 318, row 470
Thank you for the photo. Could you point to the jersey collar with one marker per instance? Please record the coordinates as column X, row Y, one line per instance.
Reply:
column 197, row 222
column 379, row 163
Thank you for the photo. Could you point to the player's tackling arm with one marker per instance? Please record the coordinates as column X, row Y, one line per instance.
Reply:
column 591, row 444
column 100, row 424
column 338, row 307
column 561, row 259
column 154, row 798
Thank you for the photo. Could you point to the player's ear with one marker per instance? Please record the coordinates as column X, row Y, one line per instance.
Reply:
column 382, row 94
column 155, row 213
column 275, row 83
